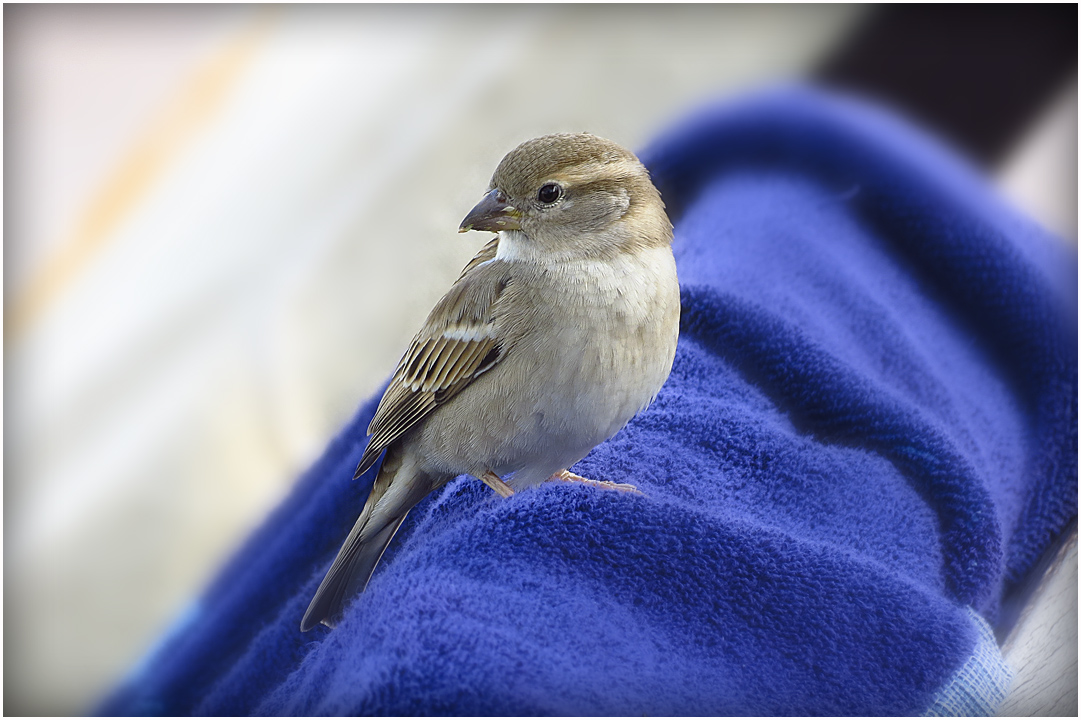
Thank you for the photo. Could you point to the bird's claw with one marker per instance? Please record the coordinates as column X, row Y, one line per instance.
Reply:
column 568, row 476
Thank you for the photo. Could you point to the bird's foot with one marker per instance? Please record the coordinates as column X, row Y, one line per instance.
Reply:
column 496, row 483
column 568, row 476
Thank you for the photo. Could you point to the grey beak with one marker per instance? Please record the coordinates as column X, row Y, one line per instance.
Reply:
column 493, row 213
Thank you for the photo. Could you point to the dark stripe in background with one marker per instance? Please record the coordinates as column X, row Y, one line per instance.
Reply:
column 977, row 74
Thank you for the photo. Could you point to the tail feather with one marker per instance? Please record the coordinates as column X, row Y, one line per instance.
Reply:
column 350, row 572
column 398, row 486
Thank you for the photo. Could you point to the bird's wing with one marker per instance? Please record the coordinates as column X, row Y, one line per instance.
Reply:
column 485, row 254
column 460, row 340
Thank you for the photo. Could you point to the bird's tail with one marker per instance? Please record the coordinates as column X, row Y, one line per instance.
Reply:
column 383, row 513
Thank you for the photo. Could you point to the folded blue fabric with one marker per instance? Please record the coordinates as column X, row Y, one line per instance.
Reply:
column 869, row 433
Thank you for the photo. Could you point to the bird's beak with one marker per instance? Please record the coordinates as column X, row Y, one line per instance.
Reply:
column 493, row 213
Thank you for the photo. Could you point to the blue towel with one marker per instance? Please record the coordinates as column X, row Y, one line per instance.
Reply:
column 869, row 435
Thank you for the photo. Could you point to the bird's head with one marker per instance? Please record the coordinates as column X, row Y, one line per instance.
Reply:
column 571, row 195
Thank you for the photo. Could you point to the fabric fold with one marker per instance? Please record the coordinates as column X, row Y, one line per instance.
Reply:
column 869, row 434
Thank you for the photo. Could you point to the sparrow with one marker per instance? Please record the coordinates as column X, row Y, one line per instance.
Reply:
column 557, row 333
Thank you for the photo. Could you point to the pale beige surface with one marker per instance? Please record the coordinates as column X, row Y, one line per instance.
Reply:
column 1042, row 648
column 1040, row 174
column 223, row 227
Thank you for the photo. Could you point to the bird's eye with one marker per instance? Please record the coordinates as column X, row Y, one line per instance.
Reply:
column 549, row 193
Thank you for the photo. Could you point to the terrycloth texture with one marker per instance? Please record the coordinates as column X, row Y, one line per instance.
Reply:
column 870, row 427
column 982, row 683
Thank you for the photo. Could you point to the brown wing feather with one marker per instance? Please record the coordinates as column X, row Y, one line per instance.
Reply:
column 485, row 254
column 459, row 342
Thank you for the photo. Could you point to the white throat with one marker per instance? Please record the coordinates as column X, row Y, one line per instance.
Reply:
column 514, row 247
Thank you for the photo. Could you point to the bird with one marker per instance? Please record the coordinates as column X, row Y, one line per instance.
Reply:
column 557, row 333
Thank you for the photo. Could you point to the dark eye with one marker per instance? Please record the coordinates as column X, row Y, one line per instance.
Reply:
column 549, row 193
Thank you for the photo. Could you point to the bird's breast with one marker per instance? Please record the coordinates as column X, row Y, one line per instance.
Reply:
column 608, row 349
column 595, row 347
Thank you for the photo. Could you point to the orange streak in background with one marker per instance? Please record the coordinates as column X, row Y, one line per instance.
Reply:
column 199, row 98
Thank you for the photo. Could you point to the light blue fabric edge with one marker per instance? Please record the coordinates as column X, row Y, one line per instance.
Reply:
column 982, row 682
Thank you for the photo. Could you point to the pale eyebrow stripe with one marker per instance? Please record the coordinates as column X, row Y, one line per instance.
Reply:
column 600, row 171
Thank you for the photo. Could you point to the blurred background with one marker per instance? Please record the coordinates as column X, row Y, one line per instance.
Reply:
column 223, row 224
